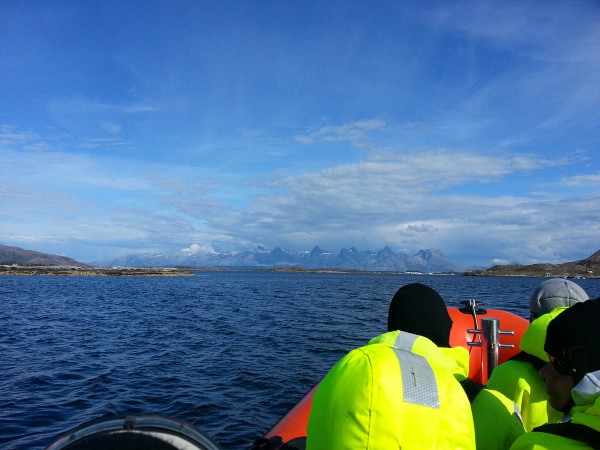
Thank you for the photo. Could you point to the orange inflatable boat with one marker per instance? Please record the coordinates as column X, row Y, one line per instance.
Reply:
column 491, row 335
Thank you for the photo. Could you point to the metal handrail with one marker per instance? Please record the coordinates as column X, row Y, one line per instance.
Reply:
column 490, row 340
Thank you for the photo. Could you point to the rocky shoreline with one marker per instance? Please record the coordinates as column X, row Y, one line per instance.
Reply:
column 91, row 271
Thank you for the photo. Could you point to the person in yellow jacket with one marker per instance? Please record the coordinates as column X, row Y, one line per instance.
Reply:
column 382, row 397
column 555, row 293
column 419, row 309
column 496, row 419
column 422, row 315
column 572, row 378
column 518, row 378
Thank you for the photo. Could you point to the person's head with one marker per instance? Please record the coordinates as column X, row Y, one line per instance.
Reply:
column 555, row 293
column 418, row 309
column 573, row 345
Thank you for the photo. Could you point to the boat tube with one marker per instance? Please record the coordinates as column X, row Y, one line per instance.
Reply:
column 492, row 337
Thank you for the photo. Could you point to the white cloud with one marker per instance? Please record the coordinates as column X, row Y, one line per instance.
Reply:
column 583, row 180
column 412, row 230
column 537, row 29
column 354, row 132
column 197, row 248
column 88, row 106
column 498, row 262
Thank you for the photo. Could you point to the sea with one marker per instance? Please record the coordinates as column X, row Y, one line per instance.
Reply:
column 229, row 352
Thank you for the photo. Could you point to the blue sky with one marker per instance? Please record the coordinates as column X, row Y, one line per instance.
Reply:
column 160, row 126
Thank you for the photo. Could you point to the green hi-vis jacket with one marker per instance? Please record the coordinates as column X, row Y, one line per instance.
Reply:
column 582, row 431
column 520, row 380
column 379, row 397
column 496, row 418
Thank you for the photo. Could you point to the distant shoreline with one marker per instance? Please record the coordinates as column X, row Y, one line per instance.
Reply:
column 92, row 271
column 40, row 270
column 35, row 270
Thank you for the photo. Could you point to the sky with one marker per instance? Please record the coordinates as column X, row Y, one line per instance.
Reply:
column 158, row 126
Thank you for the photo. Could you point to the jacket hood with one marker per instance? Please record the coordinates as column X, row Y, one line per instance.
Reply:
column 587, row 390
column 587, row 401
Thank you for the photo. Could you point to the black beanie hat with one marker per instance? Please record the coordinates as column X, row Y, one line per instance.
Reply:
column 575, row 335
column 418, row 309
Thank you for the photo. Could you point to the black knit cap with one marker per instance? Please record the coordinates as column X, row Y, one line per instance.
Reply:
column 418, row 309
column 574, row 335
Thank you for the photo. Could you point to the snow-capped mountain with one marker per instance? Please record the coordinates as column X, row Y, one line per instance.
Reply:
column 431, row 260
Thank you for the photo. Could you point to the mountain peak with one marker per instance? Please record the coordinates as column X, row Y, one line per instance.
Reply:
column 429, row 253
column 386, row 251
column 317, row 251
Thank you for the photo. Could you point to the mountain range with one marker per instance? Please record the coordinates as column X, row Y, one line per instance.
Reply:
column 431, row 260
column 428, row 261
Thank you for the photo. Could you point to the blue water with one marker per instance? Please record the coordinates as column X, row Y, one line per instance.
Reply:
column 229, row 352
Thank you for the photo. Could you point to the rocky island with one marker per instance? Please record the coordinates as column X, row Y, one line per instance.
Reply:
column 14, row 269
column 583, row 268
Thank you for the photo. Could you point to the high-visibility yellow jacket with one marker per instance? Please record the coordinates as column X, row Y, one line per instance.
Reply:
column 582, row 431
column 520, row 381
column 496, row 418
column 382, row 397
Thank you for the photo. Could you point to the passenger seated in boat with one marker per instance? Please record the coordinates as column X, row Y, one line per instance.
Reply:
column 518, row 378
column 419, row 309
column 572, row 379
column 555, row 293
column 382, row 397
